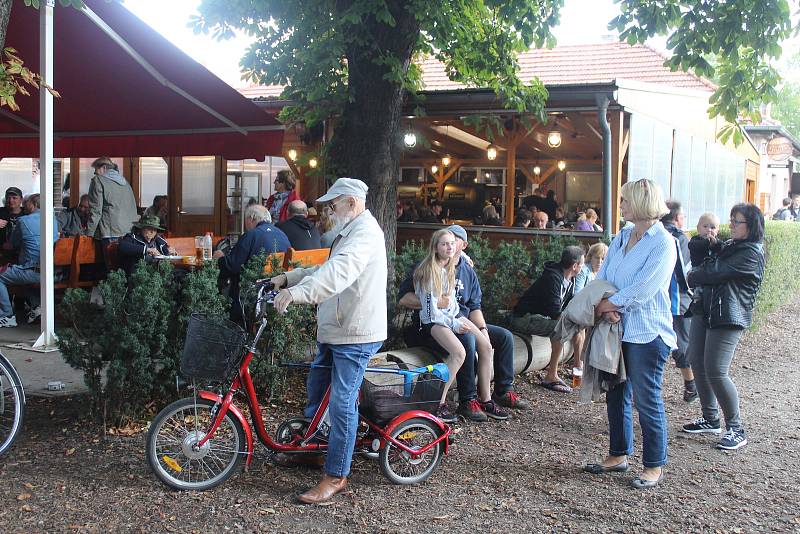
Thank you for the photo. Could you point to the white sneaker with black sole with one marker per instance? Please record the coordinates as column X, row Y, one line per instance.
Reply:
column 734, row 438
column 701, row 426
column 8, row 322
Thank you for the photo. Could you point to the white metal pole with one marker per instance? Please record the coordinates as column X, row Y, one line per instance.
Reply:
column 46, row 281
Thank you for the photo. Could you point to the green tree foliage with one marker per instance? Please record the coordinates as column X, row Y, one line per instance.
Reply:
column 787, row 108
column 744, row 36
column 353, row 59
column 317, row 46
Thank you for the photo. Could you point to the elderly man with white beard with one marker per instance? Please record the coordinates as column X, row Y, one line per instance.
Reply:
column 350, row 291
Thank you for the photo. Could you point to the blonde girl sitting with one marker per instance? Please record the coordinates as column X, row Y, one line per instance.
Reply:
column 434, row 285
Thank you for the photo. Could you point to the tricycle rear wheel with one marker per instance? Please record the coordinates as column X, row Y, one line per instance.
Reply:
column 172, row 450
column 401, row 467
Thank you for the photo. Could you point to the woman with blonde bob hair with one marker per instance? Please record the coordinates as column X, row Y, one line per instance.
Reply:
column 435, row 286
column 639, row 264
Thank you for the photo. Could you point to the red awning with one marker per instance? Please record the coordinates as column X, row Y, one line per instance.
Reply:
column 111, row 105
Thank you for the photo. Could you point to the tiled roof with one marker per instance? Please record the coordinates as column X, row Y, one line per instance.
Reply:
column 577, row 64
column 565, row 65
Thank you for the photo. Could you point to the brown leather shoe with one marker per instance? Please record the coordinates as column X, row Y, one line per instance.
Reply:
column 299, row 460
column 327, row 488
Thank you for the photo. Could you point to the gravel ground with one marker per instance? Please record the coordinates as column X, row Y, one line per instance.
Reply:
column 523, row 474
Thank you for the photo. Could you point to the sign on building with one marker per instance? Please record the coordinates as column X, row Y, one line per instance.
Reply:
column 779, row 148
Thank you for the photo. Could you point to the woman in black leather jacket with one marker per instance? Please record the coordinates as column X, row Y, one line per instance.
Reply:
column 730, row 281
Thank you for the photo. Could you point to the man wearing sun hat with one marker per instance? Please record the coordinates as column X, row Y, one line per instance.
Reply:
column 350, row 292
column 142, row 243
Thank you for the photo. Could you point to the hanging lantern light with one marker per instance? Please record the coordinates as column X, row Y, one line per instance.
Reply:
column 313, row 163
column 491, row 152
column 434, row 169
column 446, row 160
column 292, row 154
column 562, row 165
column 554, row 139
column 537, row 170
column 410, row 139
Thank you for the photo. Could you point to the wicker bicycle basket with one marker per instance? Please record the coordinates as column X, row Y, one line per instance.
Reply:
column 213, row 348
column 385, row 396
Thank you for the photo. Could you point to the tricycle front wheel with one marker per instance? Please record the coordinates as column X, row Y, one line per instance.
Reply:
column 173, row 452
column 402, row 467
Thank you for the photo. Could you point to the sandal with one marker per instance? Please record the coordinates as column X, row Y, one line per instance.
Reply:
column 557, row 385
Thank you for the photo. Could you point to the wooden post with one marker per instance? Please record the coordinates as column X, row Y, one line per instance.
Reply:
column 619, row 146
column 174, row 192
column 511, row 172
column 134, row 176
column 74, row 181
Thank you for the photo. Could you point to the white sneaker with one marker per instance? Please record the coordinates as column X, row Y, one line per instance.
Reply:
column 34, row 314
column 8, row 322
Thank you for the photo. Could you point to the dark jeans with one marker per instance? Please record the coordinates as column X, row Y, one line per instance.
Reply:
column 644, row 364
column 503, row 344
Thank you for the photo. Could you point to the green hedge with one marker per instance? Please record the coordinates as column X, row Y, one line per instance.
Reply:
column 505, row 271
column 782, row 275
column 129, row 347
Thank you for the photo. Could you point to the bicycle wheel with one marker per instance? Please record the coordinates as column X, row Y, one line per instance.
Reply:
column 398, row 465
column 12, row 405
column 172, row 450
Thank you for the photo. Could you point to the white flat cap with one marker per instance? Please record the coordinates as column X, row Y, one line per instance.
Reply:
column 345, row 186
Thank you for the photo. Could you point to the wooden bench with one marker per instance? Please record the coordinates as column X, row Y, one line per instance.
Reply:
column 87, row 252
column 306, row 258
column 63, row 255
column 531, row 353
column 275, row 261
column 70, row 253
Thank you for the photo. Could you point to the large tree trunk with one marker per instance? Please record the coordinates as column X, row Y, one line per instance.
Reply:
column 5, row 15
column 365, row 143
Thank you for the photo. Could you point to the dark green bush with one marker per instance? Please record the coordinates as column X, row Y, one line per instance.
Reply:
column 135, row 335
column 288, row 337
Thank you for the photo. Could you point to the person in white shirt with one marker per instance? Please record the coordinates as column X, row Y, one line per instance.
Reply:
column 349, row 290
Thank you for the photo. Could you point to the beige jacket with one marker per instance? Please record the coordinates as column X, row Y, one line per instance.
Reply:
column 349, row 288
column 604, row 367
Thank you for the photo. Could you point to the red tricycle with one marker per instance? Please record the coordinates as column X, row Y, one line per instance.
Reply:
column 199, row 442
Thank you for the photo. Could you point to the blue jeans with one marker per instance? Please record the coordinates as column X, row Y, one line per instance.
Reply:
column 644, row 364
column 347, row 364
column 15, row 276
column 503, row 344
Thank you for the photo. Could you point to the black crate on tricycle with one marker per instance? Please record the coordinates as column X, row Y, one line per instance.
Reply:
column 385, row 395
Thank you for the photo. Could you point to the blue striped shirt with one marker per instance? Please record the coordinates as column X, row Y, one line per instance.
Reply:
column 642, row 276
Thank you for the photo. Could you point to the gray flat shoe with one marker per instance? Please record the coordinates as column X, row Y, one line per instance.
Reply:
column 640, row 483
column 600, row 469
